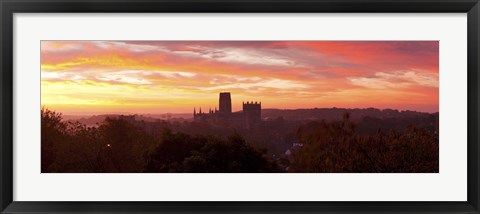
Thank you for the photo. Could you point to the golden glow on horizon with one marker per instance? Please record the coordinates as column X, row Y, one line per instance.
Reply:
column 81, row 77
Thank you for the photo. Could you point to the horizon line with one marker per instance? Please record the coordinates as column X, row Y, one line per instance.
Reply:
column 133, row 113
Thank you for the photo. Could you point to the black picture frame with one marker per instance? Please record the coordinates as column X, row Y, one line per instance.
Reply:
column 9, row 7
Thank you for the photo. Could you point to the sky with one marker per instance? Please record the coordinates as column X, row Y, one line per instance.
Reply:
column 156, row 77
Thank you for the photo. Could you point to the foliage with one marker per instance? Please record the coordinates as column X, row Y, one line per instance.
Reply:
column 183, row 153
column 335, row 147
column 118, row 145
column 121, row 145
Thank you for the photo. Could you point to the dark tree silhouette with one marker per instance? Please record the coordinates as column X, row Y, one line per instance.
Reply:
column 334, row 147
column 122, row 145
column 179, row 152
column 52, row 134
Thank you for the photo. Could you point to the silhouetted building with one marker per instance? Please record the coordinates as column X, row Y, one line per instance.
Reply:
column 248, row 117
column 225, row 103
column 252, row 113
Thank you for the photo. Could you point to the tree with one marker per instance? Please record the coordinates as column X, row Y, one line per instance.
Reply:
column 335, row 147
column 179, row 152
column 123, row 146
column 52, row 133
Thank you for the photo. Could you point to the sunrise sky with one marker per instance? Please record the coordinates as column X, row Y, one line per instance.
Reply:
column 155, row 77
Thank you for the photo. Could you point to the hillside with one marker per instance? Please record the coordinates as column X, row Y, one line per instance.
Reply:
column 333, row 114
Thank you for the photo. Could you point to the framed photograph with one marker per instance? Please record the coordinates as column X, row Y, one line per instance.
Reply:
column 264, row 106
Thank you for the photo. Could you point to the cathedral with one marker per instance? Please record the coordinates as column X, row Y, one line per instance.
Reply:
column 248, row 117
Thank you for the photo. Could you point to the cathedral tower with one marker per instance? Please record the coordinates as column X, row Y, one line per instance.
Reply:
column 225, row 103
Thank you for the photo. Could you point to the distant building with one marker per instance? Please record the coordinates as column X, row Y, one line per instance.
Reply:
column 248, row 117
column 225, row 103
column 252, row 113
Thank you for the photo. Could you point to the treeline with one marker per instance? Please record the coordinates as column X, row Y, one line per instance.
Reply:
column 336, row 114
column 336, row 147
column 119, row 145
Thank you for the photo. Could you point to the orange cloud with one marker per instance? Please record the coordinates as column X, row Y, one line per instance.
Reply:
column 169, row 76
